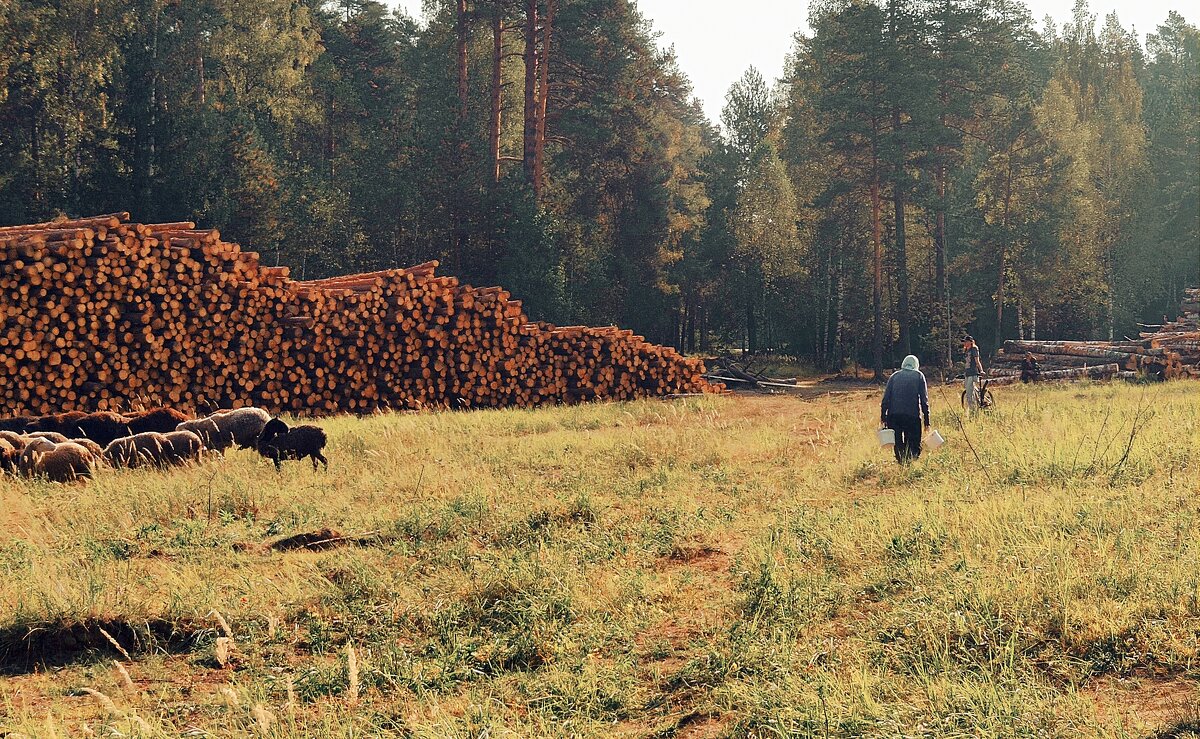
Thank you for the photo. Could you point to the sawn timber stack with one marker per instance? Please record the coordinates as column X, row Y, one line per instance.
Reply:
column 1169, row 351
column 101, row 313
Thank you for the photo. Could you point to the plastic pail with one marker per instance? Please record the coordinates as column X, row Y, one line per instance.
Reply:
column 935, row 440
column 887, row 437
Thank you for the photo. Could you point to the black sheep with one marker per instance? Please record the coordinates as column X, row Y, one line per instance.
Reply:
column 277, row 442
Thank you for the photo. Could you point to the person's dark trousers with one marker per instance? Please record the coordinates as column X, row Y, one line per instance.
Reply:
column 908, row 436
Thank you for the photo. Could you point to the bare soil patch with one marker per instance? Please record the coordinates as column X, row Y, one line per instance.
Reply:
column 700, row 555
column 1168, row 707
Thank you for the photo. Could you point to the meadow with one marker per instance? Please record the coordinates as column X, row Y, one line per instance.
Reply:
column 708, row 567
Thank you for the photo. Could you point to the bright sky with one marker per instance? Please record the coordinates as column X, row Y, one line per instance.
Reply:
column 715, row 44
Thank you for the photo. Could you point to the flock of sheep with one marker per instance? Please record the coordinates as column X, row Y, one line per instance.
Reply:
column 69, row 446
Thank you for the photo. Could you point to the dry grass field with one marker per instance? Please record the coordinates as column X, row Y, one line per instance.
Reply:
column 727, row 566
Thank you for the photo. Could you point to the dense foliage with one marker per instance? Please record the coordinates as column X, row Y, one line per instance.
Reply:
column 924, row 168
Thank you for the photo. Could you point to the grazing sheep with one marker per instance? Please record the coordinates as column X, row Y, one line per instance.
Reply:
column 9, row 455
column 34, row 447
column 17, row 424
column 95, row 449
column 223, row 429
column 56, row 422
column 181, row 447
column 54, row 436
column 103, row 427
column 17, row 441
column 154, row 449
column 63, row 463
column 209, row 432
column 278, row 442
column 244, row 424
column 162, row 420
column 139, row 450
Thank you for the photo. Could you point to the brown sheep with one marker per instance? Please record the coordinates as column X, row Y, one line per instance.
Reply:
column 162, row 420
column 8, row 456
column 102, row 427
column 56, row 422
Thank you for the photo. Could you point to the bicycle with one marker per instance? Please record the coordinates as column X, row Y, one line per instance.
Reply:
column 984, row 395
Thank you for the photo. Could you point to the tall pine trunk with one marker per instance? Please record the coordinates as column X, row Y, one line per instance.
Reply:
column 531, row 86
column 902, row 310
column 877, row 264
column 942, row 152
column 497, row 88
column 539, row 144
column 461, row 31
column 939, row 247
column 35, row 155
column 898, row 179
column 690, row 328
column 839, row 343
column 1004, row 243
column 751, row 325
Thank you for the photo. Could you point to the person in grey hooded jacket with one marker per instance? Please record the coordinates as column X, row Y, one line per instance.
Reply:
column 905, row 403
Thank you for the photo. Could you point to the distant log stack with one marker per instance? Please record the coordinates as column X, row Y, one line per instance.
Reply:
column 1168, row 351
column 100, row 313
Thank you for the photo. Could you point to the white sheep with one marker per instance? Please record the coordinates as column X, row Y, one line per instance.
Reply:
column 181, row 447
column 17, row 441
column 96, row 450
column 54, row 436
column 225, row 428
column 153, row 449
column 209, row 432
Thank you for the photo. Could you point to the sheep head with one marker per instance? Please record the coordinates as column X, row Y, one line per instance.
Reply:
column 274, row 427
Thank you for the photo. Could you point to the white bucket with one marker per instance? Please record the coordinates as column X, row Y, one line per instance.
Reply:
column 887, row 437
column 935, row 440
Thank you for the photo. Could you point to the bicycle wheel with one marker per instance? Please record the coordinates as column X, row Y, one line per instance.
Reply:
column 988, row 400
column 963, row 399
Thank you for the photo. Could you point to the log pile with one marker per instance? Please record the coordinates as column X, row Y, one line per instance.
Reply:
column 1167, row 351
column 102, row 314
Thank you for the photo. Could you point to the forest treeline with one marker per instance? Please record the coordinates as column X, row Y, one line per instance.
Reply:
column 924, row 168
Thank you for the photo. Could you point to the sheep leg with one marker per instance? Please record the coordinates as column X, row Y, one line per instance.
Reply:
column 318, row 455
column 274, row 454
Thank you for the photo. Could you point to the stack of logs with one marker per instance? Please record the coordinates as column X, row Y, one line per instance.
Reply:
column 1170, row 350
column 100, row 313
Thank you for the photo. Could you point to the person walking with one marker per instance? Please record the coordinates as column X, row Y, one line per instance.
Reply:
column 905, row 402
column 971, row 374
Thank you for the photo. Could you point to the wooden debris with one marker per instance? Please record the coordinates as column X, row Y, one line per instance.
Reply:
column 725, row 369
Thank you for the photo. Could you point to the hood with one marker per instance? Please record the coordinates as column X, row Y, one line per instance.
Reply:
column 910, row 363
